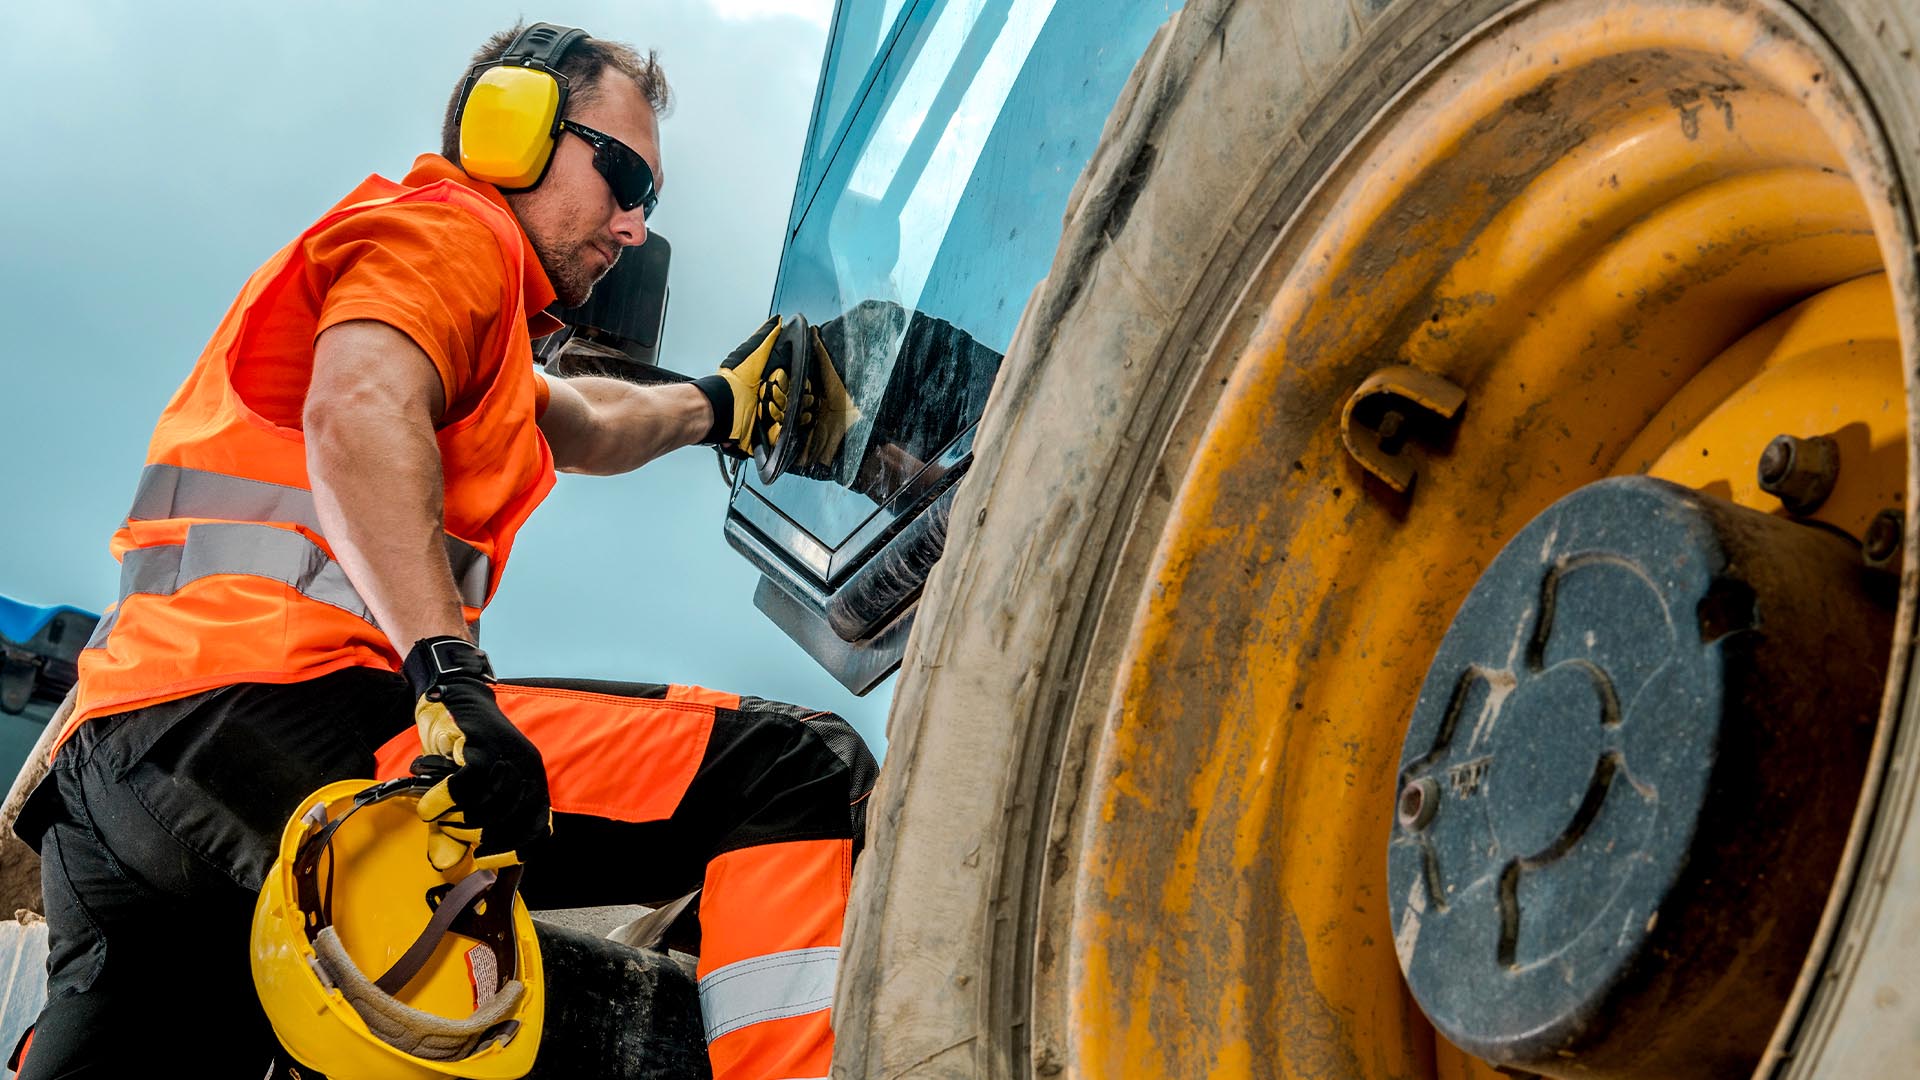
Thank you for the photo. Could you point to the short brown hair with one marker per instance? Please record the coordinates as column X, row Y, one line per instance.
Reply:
column 582, row 65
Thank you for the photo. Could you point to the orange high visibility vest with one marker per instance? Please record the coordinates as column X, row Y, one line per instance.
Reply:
column 224, row 574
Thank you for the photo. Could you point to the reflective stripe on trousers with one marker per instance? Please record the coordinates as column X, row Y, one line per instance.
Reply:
column 770, row 987
column 173, row 491
column 770, row 919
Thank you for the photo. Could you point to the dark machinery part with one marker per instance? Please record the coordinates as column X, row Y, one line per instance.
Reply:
column 616, row 1012
column 857, row 665
column 883, row 586
column 1881, row 546
column 619, row 330
column 42, row 667
column 1627, row 781
column 1800, row 472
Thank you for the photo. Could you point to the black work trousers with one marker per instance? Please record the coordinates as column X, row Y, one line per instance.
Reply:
column 156, row 828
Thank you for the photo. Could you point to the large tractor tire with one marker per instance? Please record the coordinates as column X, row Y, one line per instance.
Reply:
column 1352, row 292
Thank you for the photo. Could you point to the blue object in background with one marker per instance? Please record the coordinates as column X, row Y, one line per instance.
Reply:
column 39, row 648
column 21, row 622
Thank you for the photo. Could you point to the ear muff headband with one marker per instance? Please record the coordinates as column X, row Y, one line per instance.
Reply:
column 510, row 109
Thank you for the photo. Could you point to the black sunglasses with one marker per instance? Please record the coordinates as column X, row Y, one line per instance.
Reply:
column 626, row 172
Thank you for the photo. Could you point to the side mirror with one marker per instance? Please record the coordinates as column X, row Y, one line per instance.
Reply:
column 619, row 329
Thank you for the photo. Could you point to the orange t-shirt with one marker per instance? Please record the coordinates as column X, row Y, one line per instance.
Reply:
column 431, row 270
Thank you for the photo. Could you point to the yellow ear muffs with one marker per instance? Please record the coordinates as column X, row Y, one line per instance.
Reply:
column 510, row 109
column 507, row 127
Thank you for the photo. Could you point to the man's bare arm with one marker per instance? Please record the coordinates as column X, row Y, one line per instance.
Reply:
column 375, row 471
column 605, row 426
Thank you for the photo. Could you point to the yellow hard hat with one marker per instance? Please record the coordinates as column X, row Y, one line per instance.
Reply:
column 373, row 965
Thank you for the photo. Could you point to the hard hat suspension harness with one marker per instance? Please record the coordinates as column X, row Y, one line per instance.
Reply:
column 479, row 906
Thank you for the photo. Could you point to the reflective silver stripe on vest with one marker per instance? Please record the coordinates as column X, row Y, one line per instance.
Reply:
column 471, row 572
column 221, row 548
column 174, row 491
column 171, row 491
column 770, row 987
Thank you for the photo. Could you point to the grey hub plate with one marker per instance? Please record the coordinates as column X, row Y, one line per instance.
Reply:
column 1627, row 775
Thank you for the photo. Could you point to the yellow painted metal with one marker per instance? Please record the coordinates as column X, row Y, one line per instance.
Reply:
column 1830, row 365
column 1591, row 217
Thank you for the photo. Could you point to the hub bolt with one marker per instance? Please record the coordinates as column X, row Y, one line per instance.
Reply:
column 1800, row 472
column 1393, row 431
column 1881, row 546
column 1419, row 801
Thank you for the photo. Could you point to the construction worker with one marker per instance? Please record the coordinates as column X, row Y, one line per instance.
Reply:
column 328, row 503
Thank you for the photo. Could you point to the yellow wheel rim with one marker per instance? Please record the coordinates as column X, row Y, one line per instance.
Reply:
column 1641, row 237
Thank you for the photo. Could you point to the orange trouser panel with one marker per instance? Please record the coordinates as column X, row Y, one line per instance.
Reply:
column 773, row 910
column 624, row 758
column 784, row 898
column 702, row 695
column 789, row 1048
column 20, row 1052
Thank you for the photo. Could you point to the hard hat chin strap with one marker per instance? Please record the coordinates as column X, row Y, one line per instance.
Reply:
column 452, row 906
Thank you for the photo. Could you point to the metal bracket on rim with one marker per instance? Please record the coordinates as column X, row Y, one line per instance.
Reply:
column 1392, row 405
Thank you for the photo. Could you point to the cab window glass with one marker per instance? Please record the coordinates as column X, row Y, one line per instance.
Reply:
column 936, row 216
column 861, row 30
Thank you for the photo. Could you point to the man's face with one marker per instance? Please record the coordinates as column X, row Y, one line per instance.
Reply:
column 576, row 226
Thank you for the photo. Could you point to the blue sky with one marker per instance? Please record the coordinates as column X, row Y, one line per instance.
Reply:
column 156, row 154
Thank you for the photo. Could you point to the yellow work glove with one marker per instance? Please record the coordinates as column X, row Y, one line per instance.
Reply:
column 749, row 400
column 827, row 411
column 491, row 795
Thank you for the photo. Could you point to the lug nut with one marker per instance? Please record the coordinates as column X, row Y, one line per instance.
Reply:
column 1881, row 545
column 1799, row 472
column 1418, row 802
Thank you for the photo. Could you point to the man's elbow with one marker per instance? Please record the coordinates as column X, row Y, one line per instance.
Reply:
column 360, row 431
column 335, row 423
column 580, row 435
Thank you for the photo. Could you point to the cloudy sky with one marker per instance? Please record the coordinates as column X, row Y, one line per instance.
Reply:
column 158, row 153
